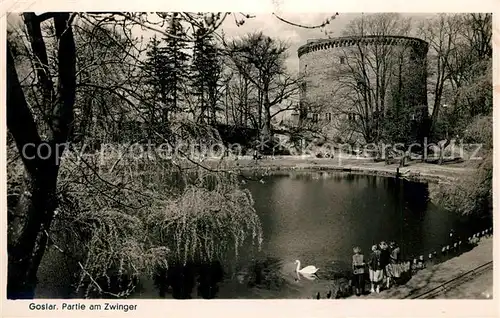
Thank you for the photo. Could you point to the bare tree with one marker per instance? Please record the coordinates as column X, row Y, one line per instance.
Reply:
column 260, row 60
column 460, row 52
column 441, row 34
column 240, row 92
column 368, row 73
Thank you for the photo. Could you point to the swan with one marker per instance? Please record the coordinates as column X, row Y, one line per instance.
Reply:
column 306, row 270
column 306, row 276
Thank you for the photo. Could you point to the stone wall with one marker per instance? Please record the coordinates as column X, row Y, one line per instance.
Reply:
column 327, row 69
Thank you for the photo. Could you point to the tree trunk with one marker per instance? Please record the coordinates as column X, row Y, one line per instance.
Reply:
column 442, row 147
column 226, row 105
column 266, row 125
column 38, row 202
column 246, row 103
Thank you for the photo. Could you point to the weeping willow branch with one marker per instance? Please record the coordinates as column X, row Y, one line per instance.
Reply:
column 85, row 272
column 116, row 234
column 204, row 225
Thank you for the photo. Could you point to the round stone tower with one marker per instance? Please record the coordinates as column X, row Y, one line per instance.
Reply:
column 359, row 78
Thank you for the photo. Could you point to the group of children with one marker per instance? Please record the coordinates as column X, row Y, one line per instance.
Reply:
column 384, row 266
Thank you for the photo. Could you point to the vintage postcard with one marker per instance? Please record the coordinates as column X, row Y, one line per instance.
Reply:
column 285, row 154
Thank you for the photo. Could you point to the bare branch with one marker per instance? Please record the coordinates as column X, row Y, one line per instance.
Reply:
column 322, row 25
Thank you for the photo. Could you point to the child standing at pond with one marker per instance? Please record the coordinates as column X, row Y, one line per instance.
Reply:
column 395, row 268
column 376, row 273
column 358, row 270
column 385, row 256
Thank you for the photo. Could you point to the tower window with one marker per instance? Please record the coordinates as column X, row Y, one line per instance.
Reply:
column 342, row 60
column 328, row 116
column 315, row 117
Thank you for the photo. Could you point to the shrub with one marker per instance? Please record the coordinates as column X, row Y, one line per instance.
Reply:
column 473, row 195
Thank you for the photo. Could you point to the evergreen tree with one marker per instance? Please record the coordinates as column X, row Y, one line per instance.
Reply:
column 207, row 71
column 157, row 81
column 176, row 68
column 214, row 77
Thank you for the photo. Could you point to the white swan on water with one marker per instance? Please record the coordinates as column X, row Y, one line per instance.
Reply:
column 306, row 270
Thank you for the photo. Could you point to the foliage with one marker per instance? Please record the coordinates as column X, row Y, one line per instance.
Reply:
column 397, row 125
column 106, row 67
column 460, row 70
column 207, row 69
column 468, row 72
column 123, row 216
column 480, row 130
column 176, row 58
column 97, row 210
column 473, row 195
column 125, row 224
column 156, row 71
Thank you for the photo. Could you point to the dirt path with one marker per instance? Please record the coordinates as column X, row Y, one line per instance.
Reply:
column 478, row 287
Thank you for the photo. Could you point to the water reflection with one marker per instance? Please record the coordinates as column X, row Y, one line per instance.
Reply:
column 179, row 280
column 268, row 273
column 306, row 276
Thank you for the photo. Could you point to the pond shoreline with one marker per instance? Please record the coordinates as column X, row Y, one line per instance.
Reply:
column 413, row 171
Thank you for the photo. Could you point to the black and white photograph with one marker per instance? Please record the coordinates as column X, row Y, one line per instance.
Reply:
column 248, row 155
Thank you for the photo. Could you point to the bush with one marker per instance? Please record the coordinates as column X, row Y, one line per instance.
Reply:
column 480, row 130
column 473, row 195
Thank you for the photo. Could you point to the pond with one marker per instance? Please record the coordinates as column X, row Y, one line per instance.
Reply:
column 317, row 218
